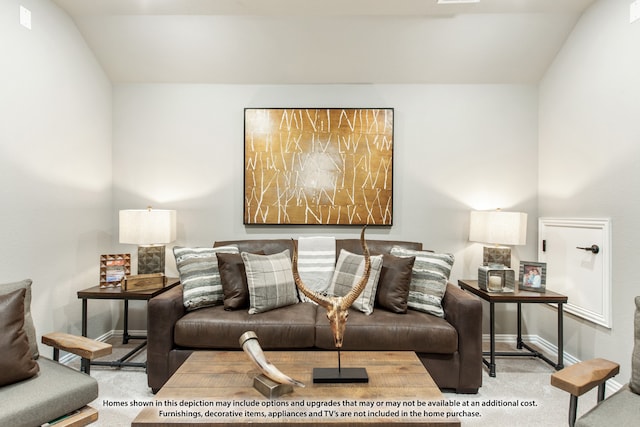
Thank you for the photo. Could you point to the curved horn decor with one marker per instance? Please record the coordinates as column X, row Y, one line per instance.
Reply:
column 251, row 346
column 337, row 307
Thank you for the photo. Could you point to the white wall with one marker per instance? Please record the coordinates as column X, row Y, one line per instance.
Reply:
column 589, row 149
column 55, row 164
column 457, row 148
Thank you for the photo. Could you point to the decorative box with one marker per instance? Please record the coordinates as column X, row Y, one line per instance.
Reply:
column 496, row 278
column 143, row 282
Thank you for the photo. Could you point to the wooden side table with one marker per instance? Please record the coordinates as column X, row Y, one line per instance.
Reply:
column 117, row 293
column 519, row 297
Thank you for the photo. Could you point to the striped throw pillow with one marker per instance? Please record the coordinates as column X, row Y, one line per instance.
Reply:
column 349, row 271
column 199, row 275
column 428, row 279
column 270, row 281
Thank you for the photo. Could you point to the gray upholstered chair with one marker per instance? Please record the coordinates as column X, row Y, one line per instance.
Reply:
column 34, row 389
column 620, row 409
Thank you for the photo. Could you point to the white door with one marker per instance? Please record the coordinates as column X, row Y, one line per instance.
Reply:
column 578, row 253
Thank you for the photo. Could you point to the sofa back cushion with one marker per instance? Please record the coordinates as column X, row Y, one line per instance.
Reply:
column 16, row 359
column 267, row 246
column 376, row 247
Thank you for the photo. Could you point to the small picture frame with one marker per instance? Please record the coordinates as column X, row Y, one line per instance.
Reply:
column 533, row 276
column 114, row 268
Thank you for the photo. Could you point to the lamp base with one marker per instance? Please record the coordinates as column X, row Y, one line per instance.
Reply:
column 151, row 259
column 496, row 255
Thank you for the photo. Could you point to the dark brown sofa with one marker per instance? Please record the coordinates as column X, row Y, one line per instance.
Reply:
column 450, row 348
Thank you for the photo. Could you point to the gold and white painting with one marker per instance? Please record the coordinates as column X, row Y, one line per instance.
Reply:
column 318, row 166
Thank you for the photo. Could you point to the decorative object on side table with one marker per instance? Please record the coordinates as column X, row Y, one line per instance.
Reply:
column 498, row 228
column 533, row 276
column 151, row 229
column 113, row 269
column 496, row 278
column 142, row 282
column 337, row 313
column 272, row 383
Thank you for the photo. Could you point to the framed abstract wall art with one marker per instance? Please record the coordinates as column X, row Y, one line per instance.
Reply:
column 330, row 166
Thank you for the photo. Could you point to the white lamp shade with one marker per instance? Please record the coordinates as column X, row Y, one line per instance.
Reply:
column 147, row 226
column 498, row 227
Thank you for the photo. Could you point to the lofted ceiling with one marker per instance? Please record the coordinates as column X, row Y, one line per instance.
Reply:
column 324, row 41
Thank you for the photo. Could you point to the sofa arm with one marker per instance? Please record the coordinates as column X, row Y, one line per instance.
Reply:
column 464, row 312
column 163, row 311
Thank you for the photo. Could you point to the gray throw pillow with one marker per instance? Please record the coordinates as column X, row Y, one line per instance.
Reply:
column 270, row 281
column 29, row 327
column 429, row 278
column 199, row 275
column 634, row 384
column 349, row 271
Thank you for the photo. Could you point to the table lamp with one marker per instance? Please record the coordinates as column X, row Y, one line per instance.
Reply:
column 150, row 229
column 498, row 228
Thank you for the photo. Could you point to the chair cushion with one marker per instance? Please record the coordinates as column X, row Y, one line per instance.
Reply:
column 29, row 327
column 394, row 283
column 199, row 275
column 634, row 384
column 270, row 281
column 292, row 326
column 349, row 270
column 55, row 391
column 428, row 279
column 621, row 409
column 16, row 359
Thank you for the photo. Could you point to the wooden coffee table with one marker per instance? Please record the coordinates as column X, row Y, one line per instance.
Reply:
column 216, row 387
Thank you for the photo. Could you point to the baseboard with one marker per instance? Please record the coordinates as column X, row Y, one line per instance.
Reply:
column 550, row 350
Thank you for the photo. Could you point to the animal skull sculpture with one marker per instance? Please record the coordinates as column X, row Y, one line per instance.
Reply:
column 337, row 307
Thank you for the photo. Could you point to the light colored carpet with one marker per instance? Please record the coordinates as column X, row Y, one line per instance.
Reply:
column 518, row 380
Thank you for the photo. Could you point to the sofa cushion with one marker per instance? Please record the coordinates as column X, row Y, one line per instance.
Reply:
column 349, row 271
column 270, row 281
column 29, row 327
column 16, row 359
column 199, row 275
column 428, row 279
column 292, row 326
column 383, row 330
column 233, row 276
column 394, row 282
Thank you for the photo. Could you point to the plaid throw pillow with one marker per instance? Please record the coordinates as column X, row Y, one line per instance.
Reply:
column 428, row 279
column 199, row 275
column 349, row 271
column 270, row 281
